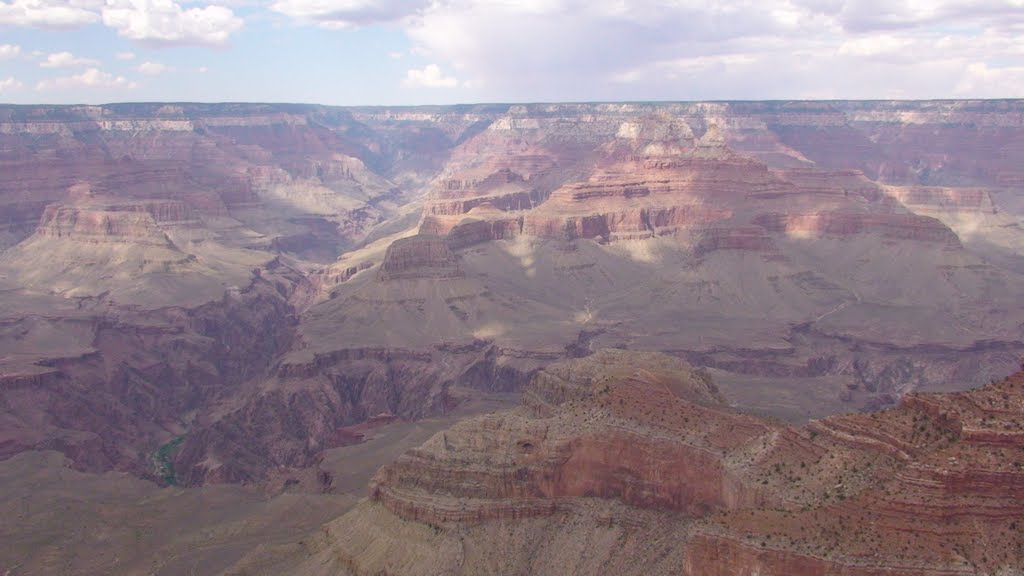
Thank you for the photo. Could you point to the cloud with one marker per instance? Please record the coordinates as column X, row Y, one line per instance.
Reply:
column 9, row 84
column 66, row 60
column 152, row 68
column 576, row 49
column 877, row 15
column 49, row 13
column 719, row 49
column 91, row 78
column 614, row 50
column 876, row 45
column 9, row 51
column 429, row 77
column 166, row 22
column 347, row 13
column 125, row 55
column 981, row 80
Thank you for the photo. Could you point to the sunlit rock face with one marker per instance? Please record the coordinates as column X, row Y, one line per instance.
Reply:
column 950, row 504
column 802, row 229
column 640, row 450
column 304, row 268
column 419, row 257
column 801, row 169
column 580, row 435
column 152, row 258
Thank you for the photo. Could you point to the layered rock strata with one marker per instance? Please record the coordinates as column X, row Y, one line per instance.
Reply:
column 748, row 237
column 419, row 257
column 930, row 487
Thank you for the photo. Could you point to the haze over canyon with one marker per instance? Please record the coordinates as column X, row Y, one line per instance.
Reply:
column 632, row 338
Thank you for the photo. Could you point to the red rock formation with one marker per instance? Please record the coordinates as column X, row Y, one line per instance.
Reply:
column 932, row 198
column 514, row 164
column 419, row 256
column 113, row 405
column 218, row 160
column 135, row 222
column 616, row 434
column 484, row 223
column 657, row 179
column 290, row 423
column 896, row 226
column 698, row 180
column 952, row 505
column 931, row 487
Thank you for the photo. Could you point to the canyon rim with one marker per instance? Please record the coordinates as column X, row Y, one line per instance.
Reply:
column 698, row 338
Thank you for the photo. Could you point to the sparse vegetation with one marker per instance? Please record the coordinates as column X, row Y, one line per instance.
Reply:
column 163, row 460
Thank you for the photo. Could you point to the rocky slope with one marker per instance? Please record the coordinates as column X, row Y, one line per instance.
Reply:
column 759, row 232
column 153, row 258
column 120, row 382
column 202, row 294
column 948, row 501
column 631, row 462
column 751, row 238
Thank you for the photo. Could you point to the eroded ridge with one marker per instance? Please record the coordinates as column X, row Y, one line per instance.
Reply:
column 624, row 443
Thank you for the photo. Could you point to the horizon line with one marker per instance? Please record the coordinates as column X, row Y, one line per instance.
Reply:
column 510, row 103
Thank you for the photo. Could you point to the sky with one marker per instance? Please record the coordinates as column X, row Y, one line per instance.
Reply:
column 391, row 52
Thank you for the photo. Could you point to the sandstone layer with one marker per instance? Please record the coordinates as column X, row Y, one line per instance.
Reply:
column 621, row 444
column 224, row 293
column 552, row 231
column 749, row 238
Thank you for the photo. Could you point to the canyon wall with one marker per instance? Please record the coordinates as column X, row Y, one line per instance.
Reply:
column 634, row 446
column 254, row 278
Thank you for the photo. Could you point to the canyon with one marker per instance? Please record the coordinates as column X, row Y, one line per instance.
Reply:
column 633, row 463
column 234, row 297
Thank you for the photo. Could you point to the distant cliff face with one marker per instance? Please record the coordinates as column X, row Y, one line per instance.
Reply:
column 254, row 278
column 614, row 171
column 151, row 257
column 829, row 237
column 301, row 179
column 639, row 450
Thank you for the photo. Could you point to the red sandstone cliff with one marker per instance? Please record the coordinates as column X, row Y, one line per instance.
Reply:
column 932, row 486
column 742, row 236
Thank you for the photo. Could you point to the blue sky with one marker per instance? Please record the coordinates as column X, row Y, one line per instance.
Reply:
column 356, row 52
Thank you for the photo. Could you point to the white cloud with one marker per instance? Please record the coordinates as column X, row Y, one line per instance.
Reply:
column 576, row 49
column 49, row 13
column 429, row 77
column 125, row 55
column 981, row 80
column 718, row 49
column 202, row 69
column 152, row 68
column 91, row 78
column 166, row 22
column 9, row 51
column 655, row 49
column 66, row 60
column 9, row 84
column 874, row 45
column 867, row 15
column 347, row 13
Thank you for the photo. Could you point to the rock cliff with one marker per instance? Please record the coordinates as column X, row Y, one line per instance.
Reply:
column 950, row 505
column 745, row 237
column 419, row 257
column 929, row 487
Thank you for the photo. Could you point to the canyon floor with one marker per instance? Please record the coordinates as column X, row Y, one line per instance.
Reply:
column 219, row 321
column 632, row 463
column 124, row 525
